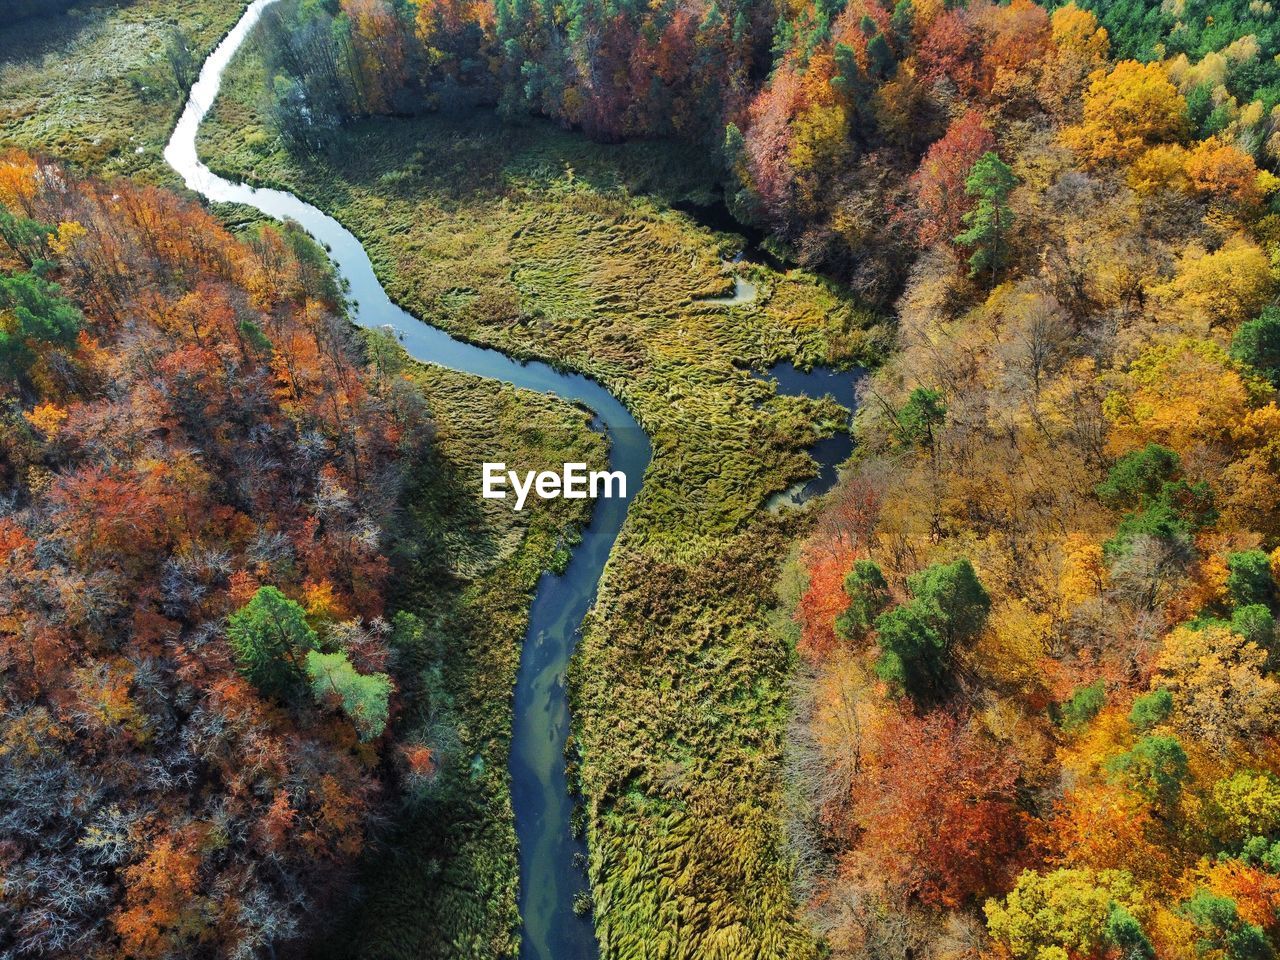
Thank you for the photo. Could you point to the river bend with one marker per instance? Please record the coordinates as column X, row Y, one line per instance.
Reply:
column 550, row 873
column 550, row 858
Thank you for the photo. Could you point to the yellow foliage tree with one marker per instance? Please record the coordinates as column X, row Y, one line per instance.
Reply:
column 1077, row 30
column 1079, row 48
column 1224, row 172
column 1178, row 394
column 47, row 418
column 1163, row 167
column 1127, row 111
column 1224, row 288
column 820, row 134
column 1102, row 738
column 1012, row 647
column 322, row 603
column 1061, row 913
column 1222, row 693
column 1246, row 804
column 19, row 180
column 1250, row 484
column 64, row 241
column 1084, row 574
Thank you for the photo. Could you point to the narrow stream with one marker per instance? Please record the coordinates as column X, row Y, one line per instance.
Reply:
column 550, row 874
column 829, row 452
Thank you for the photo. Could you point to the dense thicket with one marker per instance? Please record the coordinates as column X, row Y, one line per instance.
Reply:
column 1039, row 614
column 195, row 467
column 842, row 128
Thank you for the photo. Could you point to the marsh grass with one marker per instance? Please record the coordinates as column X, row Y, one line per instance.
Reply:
column 538, row 242
column 92, row 86
column 441, row 880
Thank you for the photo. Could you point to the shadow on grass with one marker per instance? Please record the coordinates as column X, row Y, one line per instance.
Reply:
column 481, row 156
column 34, row 29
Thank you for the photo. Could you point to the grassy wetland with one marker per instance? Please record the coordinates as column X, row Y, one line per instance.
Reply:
column 537, row 242
column 101, row 83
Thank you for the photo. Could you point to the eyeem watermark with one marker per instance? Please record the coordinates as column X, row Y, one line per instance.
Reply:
column 573, row 482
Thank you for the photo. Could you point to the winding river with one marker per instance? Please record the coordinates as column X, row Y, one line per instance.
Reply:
column 550, row 872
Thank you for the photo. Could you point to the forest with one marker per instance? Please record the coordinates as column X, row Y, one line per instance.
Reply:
column 195, row 466
column 1009, row 691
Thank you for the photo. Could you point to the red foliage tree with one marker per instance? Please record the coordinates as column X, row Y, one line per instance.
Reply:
column 938, row 183
column 935, row 810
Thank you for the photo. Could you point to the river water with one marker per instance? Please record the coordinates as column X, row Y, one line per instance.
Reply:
column 550, row 874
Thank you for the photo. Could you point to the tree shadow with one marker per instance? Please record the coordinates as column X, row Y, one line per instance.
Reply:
column 460, row 159
column 34, row 29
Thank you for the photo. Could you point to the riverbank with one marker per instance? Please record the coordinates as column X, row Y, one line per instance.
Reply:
column 542, row 244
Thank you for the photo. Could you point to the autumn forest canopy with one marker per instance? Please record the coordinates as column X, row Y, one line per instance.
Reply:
column 1009, row 691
